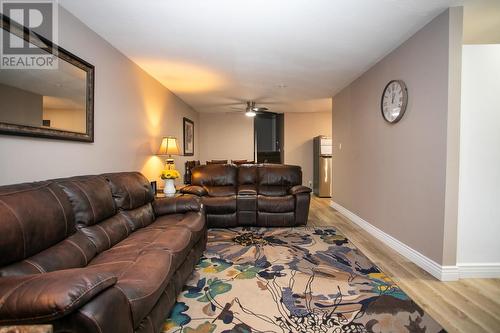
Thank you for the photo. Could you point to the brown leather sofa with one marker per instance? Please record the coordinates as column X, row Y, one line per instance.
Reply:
column 95, row 253
column 269, row 195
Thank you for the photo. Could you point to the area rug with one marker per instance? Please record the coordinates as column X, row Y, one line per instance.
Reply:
column 291, row 280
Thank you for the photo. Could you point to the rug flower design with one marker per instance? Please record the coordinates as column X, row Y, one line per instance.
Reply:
column 259, row 246
column 291, row 280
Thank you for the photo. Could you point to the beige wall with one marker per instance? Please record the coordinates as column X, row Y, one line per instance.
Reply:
column 18, row 106
column 225, row 136
column 230, row 136
column 300, row 129
column 132, row 112
column 73, row 120
column 395, row 176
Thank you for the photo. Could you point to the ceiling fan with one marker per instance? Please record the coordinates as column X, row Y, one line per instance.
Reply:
column 252, row 109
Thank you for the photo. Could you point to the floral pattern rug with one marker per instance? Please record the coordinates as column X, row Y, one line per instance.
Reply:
column 289, row 280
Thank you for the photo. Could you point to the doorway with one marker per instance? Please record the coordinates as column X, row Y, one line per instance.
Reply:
column 268, row 138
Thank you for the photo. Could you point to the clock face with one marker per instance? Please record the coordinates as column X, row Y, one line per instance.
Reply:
column 394, row 101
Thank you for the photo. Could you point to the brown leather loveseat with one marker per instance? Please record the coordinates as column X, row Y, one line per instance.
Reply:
column 269, row 195
column 95, row 253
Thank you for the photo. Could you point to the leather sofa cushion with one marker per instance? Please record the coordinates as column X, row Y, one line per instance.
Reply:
column 130, row 189
column 90, row 197
column 156, row 317
column 281, row 204
column 247, row 202
column 108, row 233
column 193, row 221
column 247, row 218
column 220, row 191
column 138, row 217
column 219, row 205
column 279, row 175
column 214, row 175
column 142, row 277
column 73, row 252
column 194, row 189
column 145, row 262
column 144, row 280
column 44, row 297
column 177, row 205
column 247, row 190
column 247, row 174
column 222, row 220
column 175, row 240
column 34, row 217
column 265, row 219
column 273, row 191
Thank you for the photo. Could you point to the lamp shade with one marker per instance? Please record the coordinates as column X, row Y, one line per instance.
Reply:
column 169, row 146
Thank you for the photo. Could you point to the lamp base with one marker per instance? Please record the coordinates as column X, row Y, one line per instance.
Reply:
column 169, row 164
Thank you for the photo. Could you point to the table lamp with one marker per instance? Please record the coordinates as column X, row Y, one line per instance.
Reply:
column 169, row 147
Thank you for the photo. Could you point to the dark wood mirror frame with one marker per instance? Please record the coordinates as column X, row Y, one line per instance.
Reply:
column 14, row 129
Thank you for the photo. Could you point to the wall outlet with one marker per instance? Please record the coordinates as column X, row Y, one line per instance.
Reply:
column 310, row 183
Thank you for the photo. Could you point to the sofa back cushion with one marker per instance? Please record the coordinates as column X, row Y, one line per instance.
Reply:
column 277, row 179
column 247, row 174
column 133, row 195
column 95, row 210
column 215, row 175
column 75, row 251
column 130, row 190
column 34, row 217
column 90, row 197
column 220, row 191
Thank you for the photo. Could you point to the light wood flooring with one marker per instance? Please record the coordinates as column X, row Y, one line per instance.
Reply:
column 468, row 305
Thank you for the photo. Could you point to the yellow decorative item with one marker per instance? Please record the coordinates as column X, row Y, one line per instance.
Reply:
column 170, row 174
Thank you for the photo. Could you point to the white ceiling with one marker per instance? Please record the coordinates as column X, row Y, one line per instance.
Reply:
column 212, row 53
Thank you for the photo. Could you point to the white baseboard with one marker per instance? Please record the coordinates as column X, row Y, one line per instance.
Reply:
column 479, row 270
column 443, row 273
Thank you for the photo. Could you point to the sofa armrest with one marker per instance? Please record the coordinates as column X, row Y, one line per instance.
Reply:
column 299, row 189
column 194, row 189
column 177, row 205
column 37, row 298
column 247, row 190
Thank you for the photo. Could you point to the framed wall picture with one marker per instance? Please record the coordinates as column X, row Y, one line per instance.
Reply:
column 188, row 137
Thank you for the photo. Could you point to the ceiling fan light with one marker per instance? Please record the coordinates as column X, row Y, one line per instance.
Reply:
column 250, row 113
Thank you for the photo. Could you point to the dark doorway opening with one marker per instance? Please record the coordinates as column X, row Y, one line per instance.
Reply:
column 269, row 137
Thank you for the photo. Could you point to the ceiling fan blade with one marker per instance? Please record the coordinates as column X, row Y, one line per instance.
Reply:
column 265, row 100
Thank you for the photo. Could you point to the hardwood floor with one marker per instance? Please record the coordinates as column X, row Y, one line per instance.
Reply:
column 468, row 305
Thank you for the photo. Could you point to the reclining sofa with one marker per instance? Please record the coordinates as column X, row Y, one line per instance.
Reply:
column 266, row 195
column 95, row 253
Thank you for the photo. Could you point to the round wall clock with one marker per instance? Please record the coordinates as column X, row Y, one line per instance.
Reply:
column 394, row 101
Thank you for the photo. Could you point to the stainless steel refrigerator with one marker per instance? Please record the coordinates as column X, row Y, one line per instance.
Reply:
column 322, row 166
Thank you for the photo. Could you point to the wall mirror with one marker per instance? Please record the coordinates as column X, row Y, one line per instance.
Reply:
column 36, row 99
